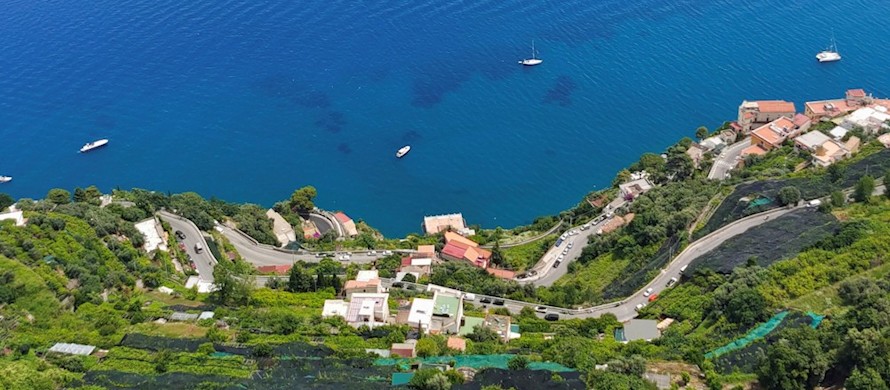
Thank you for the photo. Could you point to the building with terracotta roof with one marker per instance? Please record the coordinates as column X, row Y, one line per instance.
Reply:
column 754, row 113
column 456, row 343
column 366, row 281
column 501, row 273
column 460, row 248
column 404, row 350
column 826, row 151
column 436, row 224
column 829, row 109
column 348, row 224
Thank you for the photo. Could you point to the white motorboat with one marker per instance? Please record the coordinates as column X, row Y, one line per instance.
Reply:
column 403, row 151
column 534, row 60
column 830, row 54
column 4, row 179
column 93, row 145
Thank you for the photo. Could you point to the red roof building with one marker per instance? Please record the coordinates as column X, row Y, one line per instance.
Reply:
column 274, row 269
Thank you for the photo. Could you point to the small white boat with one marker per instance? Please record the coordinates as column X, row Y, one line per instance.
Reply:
column 830, row 54
column 93, row 145
column 532, row 61
column 403, row 151
column 4, row 179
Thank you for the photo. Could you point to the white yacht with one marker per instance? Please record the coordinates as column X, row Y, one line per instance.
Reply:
column 93, row 145
column 403, row 151
column 830, row 54
column 534, row 60
column 4, row 179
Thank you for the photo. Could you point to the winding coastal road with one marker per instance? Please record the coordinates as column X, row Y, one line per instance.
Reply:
column 728, row 159
column 204, row 261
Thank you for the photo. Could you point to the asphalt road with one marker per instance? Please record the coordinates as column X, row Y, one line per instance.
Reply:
column 261, row 254
column 728, row 159
column 204, row 261
column 545, row 273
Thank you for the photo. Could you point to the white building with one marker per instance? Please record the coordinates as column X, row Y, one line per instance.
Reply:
column 153, row 233
column 872, row 119
column 421, row 314
column 16, row 216
column 369, row 309
column 334, row 308
column 634, row 188
column 284, row 232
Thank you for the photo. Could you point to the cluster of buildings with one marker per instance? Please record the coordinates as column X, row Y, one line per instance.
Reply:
column 367, row 303
column 460, row 248
column 771, row 123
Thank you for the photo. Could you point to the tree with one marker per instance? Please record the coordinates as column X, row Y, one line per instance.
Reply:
column 795, row 361
column 429, row 379
column 482, row 334
column 6, row 200
column 262, row 350
column 517, row 363
column 701, row 133
column 428, row 346
column 58, row 196
column 336, row 283
column 299, row 280
column 864, row 188
column 746, row 306
column 789, row 196
column 835, row 173
column 301, row 200
column 229, row 288
column 497, row 258
column 838, row 199
column 680, row 165
column 867, row 379
column 409, row 278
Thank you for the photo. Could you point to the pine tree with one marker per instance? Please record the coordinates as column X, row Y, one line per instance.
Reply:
column 335, row 283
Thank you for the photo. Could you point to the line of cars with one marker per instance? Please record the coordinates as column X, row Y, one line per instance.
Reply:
column 652, row 295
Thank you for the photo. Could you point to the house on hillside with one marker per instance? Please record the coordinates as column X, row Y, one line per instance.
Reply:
column 871, row 119
column 447, row 314
column 284, row 232
column 435, row 224
column 368, row 309
column 634, row 188
column 420, row 316
column 695, row 152
column 459, row 248
column 281, row 269
column 155, row 236
column 759, row 112
column 347, row 223
column 17, row 216
column 822, row 110
column 826, row 151
column 366, row 281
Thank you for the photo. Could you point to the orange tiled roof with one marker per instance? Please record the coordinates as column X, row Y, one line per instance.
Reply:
column 753, row 149
column 350, row 284
column 775, row 106
column 454, row 237
column 856, row 93
column 501, row 273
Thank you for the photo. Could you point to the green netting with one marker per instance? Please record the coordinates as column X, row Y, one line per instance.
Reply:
column 752, row 336
column 473, row 361
column 759, row 202
column 817, row 319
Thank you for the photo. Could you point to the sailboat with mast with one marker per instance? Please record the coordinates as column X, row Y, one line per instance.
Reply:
column 534, row 60
column 830, row 54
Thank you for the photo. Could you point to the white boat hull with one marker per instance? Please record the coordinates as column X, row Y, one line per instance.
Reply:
column 531, row 62
column 403, row 151
column 5, row 179
column 828, row 56
column 93, row 145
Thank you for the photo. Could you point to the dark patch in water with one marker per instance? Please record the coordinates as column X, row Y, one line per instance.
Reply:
column 561, row 92
column 292, row 91
column 331, row 122
column 411, row 136
column 344, row 148
column 430, row 88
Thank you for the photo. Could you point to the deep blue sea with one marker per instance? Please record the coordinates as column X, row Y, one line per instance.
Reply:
column 249, row 100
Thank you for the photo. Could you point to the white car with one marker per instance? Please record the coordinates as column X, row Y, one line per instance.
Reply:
column 372, row 253
column 565, row 251
column 648, row 292
column 387, row 253
column 541, row 309
column 571, row 244
column 560, row 258
column 640, row 306
column 564, row 236
column 573, row 232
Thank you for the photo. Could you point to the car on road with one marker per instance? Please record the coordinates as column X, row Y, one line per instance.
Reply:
column 469, row 297
column 179, row 234
column 499, row 302
column 639, row 306
column 564, row 236
column 571, row 244
column 397, row 285
column 565, row 251
column 653, row 297
column 558, row 242
column 199, row 247
column 319, row 255
column 344, row 257
column 573, row 232
column 386, row 253
column 683, row 268
column 372, row 253
column 556, row 264
column 485, row 300
column 647, row 292
column 551, row 317
column 541, row 309
column 672, row 282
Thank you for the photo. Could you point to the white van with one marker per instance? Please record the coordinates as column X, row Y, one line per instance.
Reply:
column 683, row 268
column 198, row 247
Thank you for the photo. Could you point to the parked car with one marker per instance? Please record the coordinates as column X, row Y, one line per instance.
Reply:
column 640, row 306
column 565, row 251
column 647, row 292
column 372, row 253
column 551, row 317
column 571, row 244
column 499, row 302
column 653, row 297
column 469, row 297
column 386, row 253
column 179, row 234
column 397, row 285
column 541, row 309
column 485, row 300
column 556, row 264
column 683, row 268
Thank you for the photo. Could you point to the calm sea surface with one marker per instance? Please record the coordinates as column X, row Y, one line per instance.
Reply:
column 248, row 100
